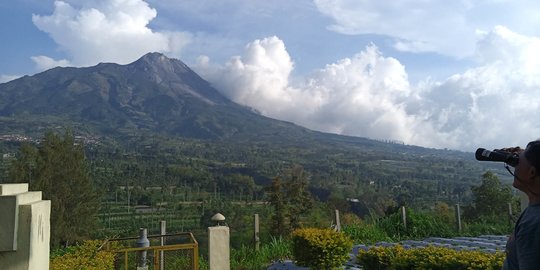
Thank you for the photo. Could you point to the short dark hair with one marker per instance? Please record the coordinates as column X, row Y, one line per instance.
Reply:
column 532, row 153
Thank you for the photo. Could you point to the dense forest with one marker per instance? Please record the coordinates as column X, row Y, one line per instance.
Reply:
column 375, row 176
column 110, row 190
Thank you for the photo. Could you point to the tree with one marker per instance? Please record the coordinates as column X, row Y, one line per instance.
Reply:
column 277, row 201
column 57, row 167
column 491, row 198
column 298, row 197
column 291, row 200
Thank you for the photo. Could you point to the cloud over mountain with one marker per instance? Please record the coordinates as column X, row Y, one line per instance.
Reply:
column 370, row 95
column 106, row 31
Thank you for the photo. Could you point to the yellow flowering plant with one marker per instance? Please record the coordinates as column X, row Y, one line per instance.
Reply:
column 320, row 248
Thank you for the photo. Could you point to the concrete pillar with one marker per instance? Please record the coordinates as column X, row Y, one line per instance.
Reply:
column 458, row 218
column 162, row 231
column 338, row 222
column 218, row 245
column 256, row 238
column 404, row 217
column 24, row 228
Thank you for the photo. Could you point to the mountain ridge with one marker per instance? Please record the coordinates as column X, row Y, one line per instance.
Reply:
column 154, row 93
column 159, row 106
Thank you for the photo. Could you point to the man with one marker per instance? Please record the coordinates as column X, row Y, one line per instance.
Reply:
column 523, row 246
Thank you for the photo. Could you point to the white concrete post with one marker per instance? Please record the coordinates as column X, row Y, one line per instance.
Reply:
column 256, row 238
column 218, row 245
column 24, row 228
column 458, row 218
column 162, row 231
column 404, row 217
column 338, row 222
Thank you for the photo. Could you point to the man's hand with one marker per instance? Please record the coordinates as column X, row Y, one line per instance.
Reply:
column 515, row 149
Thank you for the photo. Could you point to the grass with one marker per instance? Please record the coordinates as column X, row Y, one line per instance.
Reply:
column 246, row 257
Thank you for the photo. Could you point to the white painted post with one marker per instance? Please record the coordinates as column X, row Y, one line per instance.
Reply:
column 218, row 245
column 256, row 232
column 404, row 216
column 162, row 231
column 458, row 217
column 338, row 222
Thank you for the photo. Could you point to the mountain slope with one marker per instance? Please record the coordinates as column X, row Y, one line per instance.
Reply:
column 154, row 93
column 158, row 109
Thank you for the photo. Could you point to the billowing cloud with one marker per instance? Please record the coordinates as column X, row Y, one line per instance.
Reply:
column 6, row 78
column 259, row 78
column 107, row 31
column 495, row 102
column 363, row 95
column 370, row 95
column 447, row 27
column 44, row 62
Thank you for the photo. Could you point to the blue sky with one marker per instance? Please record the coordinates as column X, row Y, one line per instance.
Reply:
column 459, row 74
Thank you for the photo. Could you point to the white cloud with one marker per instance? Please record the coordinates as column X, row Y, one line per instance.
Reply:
column 6, row 78
column 362, row 95
column 107, row 31
column 259, row 78
column 446, row 27
column 494, row 104
column 44, row 62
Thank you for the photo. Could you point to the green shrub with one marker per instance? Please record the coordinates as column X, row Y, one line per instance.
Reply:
column 365, row 233
column 85, row 256
column 320, row 248
column 398, row 258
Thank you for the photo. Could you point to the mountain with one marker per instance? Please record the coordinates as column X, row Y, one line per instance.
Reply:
column 152, row 94
column 158, row 113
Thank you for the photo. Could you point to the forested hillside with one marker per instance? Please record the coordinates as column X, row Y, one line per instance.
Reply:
column 154, row 132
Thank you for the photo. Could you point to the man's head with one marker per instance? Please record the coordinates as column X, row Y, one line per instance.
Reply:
column 528, row 169
column 532, row 153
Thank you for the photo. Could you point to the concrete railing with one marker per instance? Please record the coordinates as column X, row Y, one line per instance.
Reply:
column 24, row 228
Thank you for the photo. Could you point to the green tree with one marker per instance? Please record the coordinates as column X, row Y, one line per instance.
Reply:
column 57, row 167
column 490, row 198
column 277, row 200
column 291, row 200
column 22, row 168
column 299, row 200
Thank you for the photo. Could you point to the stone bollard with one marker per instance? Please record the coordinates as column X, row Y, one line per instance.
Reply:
column 218, row 245
column 24, row 228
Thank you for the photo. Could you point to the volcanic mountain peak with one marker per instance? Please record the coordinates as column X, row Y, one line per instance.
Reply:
column 154, row 93
column 157, row 63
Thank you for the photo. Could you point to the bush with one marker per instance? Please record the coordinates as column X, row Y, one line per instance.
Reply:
column 398, row 258
column 85, row 256
column 320, row 248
